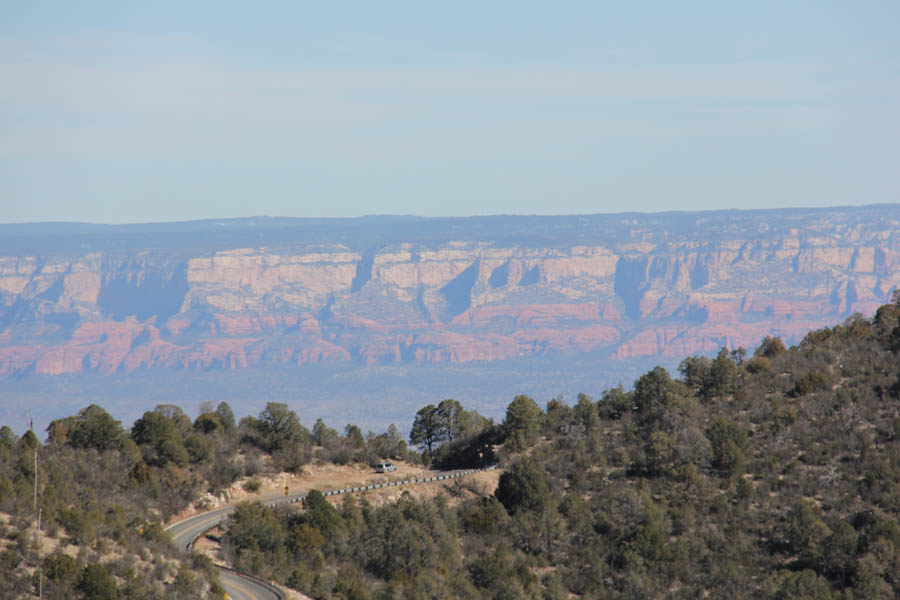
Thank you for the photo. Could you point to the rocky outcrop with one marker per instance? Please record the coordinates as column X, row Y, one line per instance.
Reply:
column 621, row 286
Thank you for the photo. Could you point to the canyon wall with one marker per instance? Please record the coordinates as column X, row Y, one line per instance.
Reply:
column 225, row 295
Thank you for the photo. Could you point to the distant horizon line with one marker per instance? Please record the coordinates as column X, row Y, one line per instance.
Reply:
column 409, row 217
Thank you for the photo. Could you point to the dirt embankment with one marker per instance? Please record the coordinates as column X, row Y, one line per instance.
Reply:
column 326, row 477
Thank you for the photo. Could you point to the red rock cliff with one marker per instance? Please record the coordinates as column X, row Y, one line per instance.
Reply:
column 641, row 292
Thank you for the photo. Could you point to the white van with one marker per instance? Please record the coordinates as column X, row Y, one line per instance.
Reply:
column 385, row 467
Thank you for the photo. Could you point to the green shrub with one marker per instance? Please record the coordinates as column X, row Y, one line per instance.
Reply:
column 252, row 485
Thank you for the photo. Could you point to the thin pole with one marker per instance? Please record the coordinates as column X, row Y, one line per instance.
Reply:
column 35, row 478
column 40, row 564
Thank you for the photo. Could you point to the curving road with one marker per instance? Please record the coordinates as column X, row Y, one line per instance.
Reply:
column 242, row 587
column 185, row 533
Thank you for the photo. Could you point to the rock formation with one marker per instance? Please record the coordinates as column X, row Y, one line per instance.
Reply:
column 225, row 295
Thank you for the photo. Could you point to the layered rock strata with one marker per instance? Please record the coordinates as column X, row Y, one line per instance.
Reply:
column 640, row 289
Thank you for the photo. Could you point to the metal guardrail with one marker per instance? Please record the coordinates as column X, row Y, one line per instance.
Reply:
column 376, row 486
column 212, row 526
column 258, row 581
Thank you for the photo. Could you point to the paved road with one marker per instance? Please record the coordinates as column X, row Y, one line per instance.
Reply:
column 185, row 532
column 239, row 588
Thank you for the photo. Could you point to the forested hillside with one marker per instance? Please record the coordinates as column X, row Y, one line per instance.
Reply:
column 103, row 493
column 772, row 473
column 775, row 474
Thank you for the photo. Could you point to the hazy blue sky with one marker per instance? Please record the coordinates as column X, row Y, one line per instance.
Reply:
column 147, row 111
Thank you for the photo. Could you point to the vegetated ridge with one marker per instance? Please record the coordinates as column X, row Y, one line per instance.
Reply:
column 771, row 475
column 78, row 298
column 774, row 474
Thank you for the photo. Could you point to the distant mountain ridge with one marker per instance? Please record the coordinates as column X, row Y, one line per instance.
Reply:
column 224, row 294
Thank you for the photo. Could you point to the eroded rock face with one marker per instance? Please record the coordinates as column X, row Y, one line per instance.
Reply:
column 620, row 285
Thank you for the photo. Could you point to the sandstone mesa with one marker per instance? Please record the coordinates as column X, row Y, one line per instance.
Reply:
column 622, row 286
